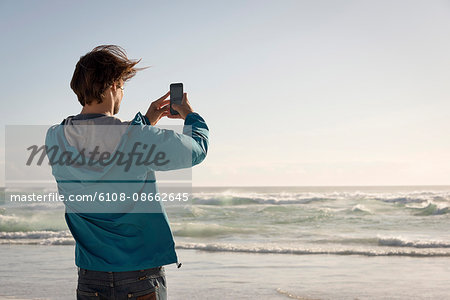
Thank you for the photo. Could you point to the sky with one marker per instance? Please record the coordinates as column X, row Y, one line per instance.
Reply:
column 295, row 93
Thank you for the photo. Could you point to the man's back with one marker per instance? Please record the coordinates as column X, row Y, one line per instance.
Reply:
column 128, row 235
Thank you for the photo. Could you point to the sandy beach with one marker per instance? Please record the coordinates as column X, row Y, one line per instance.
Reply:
column 42, row 272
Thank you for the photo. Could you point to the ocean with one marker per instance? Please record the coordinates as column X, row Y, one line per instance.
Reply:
column 262, row 243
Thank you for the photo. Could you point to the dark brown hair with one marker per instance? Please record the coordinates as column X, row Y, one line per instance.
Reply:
column 99, row 69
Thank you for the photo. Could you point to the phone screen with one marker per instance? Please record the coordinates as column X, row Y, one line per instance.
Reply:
column 176, row 95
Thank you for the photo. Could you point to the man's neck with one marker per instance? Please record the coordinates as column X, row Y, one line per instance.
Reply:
column 106, row 108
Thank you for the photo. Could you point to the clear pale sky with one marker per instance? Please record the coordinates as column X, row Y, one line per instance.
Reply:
column 294, row 92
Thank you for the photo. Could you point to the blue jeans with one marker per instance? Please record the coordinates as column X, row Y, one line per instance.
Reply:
column 148, row 284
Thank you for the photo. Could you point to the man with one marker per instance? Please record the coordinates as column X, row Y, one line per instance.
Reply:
column 121, row 246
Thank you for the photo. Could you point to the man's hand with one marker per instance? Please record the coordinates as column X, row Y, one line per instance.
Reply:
column 183, row 109
column 158, row 109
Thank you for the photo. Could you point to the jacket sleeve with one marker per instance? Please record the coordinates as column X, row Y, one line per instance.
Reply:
column 175, row 150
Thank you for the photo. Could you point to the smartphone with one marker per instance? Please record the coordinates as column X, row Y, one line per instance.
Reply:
column 176, row 95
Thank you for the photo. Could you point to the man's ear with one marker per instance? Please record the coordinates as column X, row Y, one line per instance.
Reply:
column 114, row 86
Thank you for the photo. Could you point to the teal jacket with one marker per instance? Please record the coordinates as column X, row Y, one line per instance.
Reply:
column 129, row 235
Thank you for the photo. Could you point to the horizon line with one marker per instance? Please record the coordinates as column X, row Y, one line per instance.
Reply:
column 269, row 186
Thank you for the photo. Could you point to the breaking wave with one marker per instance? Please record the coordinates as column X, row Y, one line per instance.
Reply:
column 204, row 230
column 307, row 251
column 37, row 238
column 399, row 242
column 246, row 198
